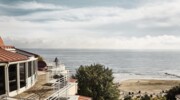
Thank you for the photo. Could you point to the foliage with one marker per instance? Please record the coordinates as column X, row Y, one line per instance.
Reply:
column 40, row 58
column 173, row 92
column 128, row 98
column 145, row 97
column 96, row 81
column 159, row 98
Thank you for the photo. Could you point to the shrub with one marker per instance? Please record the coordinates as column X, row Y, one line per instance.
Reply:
column 173, row 92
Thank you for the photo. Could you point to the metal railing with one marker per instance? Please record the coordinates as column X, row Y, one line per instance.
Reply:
column 61, row 93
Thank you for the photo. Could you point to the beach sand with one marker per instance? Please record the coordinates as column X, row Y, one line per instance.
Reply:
column 150, row 86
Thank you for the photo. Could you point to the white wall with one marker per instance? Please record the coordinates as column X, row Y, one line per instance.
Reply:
column 73, row 89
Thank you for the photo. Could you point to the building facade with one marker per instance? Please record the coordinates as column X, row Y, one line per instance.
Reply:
column 18, row 70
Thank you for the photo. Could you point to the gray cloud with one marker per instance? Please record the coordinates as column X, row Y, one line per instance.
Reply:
column 85, row 3
column 120, row 25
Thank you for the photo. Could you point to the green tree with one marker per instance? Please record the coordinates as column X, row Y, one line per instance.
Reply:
column 173, row 92
column 96, row 81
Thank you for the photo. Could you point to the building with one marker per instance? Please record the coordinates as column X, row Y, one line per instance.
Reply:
column 64, row 86
column 18, row 70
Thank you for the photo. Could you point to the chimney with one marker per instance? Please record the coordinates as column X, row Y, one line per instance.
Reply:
column 1, row 42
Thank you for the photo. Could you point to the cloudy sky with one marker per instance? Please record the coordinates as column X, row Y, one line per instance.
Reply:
column 91, row 24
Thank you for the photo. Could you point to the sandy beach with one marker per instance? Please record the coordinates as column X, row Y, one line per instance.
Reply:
column 150, row 86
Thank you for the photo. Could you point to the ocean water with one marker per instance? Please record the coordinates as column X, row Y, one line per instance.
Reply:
column 126, row 64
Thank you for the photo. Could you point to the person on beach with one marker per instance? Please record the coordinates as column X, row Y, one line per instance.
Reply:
column 56, row 60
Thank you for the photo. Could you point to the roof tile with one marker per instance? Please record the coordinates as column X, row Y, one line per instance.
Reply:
column 7, row 56
column 84, row 98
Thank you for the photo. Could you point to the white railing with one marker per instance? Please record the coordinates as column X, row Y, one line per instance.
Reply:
column 52, row 65
column 56, row 70
column 58, row 76
column 61, row 93
column 60, row 83
column 52, row 76
column 60, row 67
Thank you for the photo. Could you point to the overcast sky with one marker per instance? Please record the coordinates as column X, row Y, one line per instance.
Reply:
column 91, row 24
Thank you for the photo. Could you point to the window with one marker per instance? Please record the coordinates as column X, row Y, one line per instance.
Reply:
column 2, row 80
column 34, row 67
column 29, row 69
column 13, row 77
column 22, row 69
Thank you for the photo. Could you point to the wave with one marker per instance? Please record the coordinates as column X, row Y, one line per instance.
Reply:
column 163, row 75
column 173, row 73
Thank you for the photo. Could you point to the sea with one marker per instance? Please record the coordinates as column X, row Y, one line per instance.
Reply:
column 126, row 64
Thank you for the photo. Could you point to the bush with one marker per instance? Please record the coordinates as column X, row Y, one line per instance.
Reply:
column 172, row 93
column 128, row 98
column 159, row 98
column 40, row 58
column 145, row 97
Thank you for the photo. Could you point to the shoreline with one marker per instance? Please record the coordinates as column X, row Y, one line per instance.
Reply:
column 120, row 77
column 149, row 86
column 159, row 79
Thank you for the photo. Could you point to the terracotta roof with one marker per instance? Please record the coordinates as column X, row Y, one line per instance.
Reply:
column 7, row 47
column 72, row 80
column 84, row 98
column 1, row 42
column 7, row 56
